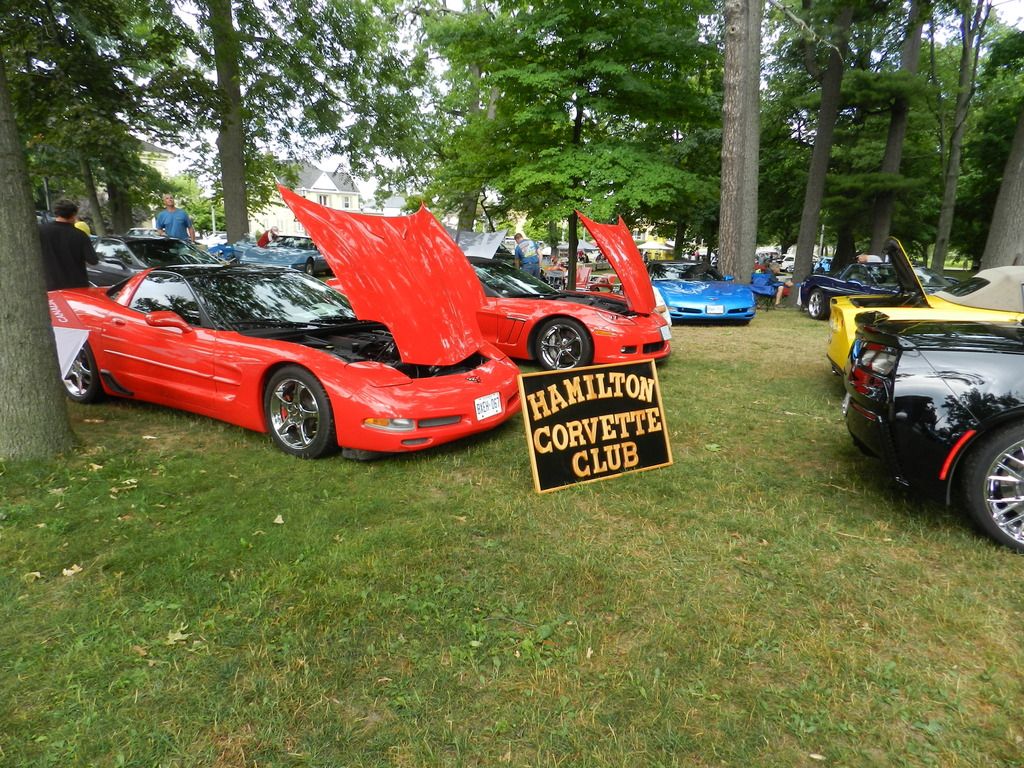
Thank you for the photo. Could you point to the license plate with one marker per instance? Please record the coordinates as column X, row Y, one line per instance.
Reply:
column 715, row 309
column 487, row 406
column 666, row 332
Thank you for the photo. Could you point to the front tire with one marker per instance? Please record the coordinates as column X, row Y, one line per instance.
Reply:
column 993, row 486
column 298, row 413
column 82, row 383
column 817, row 305
column 563, row 343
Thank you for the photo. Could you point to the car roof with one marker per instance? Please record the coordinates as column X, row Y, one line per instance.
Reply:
column 1004, row 289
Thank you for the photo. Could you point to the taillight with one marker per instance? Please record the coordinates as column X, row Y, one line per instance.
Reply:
column 873, row 363
column 877, row 358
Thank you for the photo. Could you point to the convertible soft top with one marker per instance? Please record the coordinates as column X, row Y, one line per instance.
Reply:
column 1001, row 288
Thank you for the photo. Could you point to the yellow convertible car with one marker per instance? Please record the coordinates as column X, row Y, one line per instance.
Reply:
column 992, row 294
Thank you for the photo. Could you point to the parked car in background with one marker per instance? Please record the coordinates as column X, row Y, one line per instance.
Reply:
column 120, row 257
column 143, row 232
column 694, row 291
column 294, row 251
column 213, row 239
column 528, row 319
column 859, row 279
column 788, row 262
column 941, row 403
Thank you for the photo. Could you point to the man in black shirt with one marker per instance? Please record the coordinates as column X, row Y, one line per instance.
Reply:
column 66, row 249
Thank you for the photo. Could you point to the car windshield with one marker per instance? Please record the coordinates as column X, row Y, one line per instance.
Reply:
column 696, row 271
column 167, row 252
column 269, row 299
column 293, row 241
column 505, row 280
column 931, row 279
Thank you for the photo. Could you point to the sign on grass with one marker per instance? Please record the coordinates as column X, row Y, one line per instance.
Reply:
column 594, row 423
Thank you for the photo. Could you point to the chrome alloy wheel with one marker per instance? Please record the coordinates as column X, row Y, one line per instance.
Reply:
column 294, row 414
column 561, row 346
column 1004, row 491
column 816, row 304
column 81, row 376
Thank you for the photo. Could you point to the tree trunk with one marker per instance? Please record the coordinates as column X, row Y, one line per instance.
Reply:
column 1005, row 244
column 881, row 220
column 98, row 227
column 227, row 52
column 677, row 253
column 121, row 219
column 971, row 34
column 33, row 424
column 831, row 84
column 740, row 138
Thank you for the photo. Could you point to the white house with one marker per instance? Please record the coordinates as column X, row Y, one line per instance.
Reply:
column 334, row 190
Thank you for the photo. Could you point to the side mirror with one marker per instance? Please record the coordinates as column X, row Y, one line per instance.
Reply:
column 115, row 263
column 165, row 319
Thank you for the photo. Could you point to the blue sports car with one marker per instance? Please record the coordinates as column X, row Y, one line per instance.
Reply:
column 818, row 290
column 295, row 251
column 697, row 291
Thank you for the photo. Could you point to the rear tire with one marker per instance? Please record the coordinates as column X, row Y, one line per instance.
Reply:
column 82, row 383
column 298, row 413
column 310, row 268
column 993, row 486
column 817, row 305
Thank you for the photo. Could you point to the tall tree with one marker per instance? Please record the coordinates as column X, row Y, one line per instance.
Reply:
column 227, row 56
column 910, row 55
column 737, row 238
column 973, row 19
column 1005, row 243
column 831, row 88
column 591, row 102
column 36, row 425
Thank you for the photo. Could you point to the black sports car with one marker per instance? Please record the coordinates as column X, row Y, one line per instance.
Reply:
column 121, row 256
column 942, row 404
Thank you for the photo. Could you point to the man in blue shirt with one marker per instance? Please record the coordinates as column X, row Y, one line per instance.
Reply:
column 527, row 255
column 174, row 222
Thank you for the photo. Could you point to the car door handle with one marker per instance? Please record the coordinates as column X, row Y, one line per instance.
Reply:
column 118, row 322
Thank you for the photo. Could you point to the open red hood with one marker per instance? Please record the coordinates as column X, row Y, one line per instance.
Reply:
column 617, row 244
column 403, row 271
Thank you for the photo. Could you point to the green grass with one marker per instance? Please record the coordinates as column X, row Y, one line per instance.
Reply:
column 770, row 599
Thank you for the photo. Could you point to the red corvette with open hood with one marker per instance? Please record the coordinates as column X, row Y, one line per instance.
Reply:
column 394, row 367
column 529, row 320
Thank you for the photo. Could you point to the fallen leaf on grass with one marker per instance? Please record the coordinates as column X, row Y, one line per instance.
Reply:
column 57, row 491
column 816, row 756
column 40, row 525
column 76, row 568
column 713, row 447
column 150, row 437
column 138, row 650
column 95, row 467
column 178, row 635
column 32, row 576
column 279, row 520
